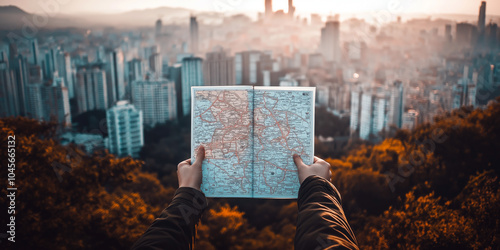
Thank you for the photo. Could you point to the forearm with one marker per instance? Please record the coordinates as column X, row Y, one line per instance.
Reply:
column 321, row 221
column 174, row 229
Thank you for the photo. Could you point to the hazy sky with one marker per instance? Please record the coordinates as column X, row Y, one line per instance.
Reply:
column 303, row 6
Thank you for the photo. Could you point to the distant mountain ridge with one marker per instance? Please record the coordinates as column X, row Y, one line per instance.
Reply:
column 14, row 18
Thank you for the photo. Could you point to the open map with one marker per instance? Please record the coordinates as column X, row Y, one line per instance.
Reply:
column 250, row 135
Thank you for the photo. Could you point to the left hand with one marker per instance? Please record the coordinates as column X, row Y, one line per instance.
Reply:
column 190, row 174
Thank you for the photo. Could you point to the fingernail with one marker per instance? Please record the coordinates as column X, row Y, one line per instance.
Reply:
column 295, row 156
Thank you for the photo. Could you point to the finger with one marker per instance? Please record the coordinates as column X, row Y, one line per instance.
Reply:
column 184, row 163
column 298, row 161
column 200, row 156
column 318, row 160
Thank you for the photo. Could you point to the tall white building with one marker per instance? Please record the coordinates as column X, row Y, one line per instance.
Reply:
column 156, row 99
column 91, row 89
column 125, row 130
column 355, row 109
column 369, row 113
column 192, row 75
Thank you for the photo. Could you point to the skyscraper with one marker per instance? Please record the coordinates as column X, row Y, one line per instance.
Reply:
column 330, row 41
column 396, row 107
column 125, row 130
column 156, row 99
column 246, row 69
column 115, row 76
column 192, row 75
column 158, row 28
column 373, row 114
column 481, row 23
column 9, row 105
column 35, row 53
column 55, row 101
column 91, row 89
column 49, row 101
column 464, row 34
column 291, row 9
column 34, row 101
column 448, row 36
column 194, row 32
column 136, row 70
column 218, row 69
column 156, row 65
column 175, row 75
column 356, row 95
column 269, row 8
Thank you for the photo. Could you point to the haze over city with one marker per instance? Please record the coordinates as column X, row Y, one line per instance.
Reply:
column 98, row 95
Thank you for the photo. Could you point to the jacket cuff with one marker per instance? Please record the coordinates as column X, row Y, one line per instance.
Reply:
column 314, row 185
column 189, row 198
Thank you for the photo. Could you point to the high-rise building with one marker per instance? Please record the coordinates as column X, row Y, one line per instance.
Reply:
column 34, row 101
column 156, row 99
column 246, row 69
column 396, row 108
column 492, row 33
column 91, row 89
column 51, row 63
column 155, row 65
column 9, row 103
column 218, row 69
column 55, row 101
column 192, row 75
column 35, row 53
column 269, row 8
column 291, row 9
column 49, row 101
column 115, row 76
column 65, row 70
column 175, row 75
column 373, row 115
column 20, row 68
column 464, row 34
column 330, row 41
column 158, row 28
column 136, row 70
column 356, row 95
column 447, row 34
column 481, row 23
column 125, row 130
column 194, row 33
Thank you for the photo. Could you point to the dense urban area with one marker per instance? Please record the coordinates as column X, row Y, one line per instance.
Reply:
column 407, row 115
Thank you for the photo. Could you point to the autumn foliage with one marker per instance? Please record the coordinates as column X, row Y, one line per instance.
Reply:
column 436, row 187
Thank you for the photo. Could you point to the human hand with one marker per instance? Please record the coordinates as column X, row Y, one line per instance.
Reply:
column 190, row 175
column 319, row 167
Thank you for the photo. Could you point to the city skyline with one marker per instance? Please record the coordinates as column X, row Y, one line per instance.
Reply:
column 302, row 7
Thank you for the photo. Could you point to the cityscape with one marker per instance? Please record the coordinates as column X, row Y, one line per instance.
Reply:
column 391, row 76
column 383, row 80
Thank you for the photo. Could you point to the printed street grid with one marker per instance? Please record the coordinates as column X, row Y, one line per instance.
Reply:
column 250, row 136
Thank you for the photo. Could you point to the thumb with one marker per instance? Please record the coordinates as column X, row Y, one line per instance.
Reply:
column 298, row 161
column 200, row 156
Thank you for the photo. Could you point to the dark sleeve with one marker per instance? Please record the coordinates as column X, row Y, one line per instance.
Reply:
column 175, row 228
column 321, row 222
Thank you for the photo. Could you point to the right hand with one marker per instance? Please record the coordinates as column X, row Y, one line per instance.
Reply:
column 319, row 167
